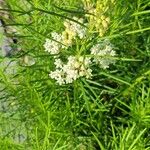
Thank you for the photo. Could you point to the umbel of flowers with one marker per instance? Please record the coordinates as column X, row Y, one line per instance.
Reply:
column 72, row 70
column 103, row 54
column 72, row 30
column 76, row 66
column 99, row 20
column 67, row 37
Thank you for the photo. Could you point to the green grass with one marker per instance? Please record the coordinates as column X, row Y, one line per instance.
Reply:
column 111, row 111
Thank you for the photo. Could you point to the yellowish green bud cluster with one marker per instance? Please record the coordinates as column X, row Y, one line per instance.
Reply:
column 98, row 20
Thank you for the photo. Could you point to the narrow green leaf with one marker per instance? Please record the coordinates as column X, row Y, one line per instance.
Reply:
column 59, row 15
column 98, row 141
column 137, row 31
column 72, row 11
column 115, row 78
column 141, row 13
column 135, row 141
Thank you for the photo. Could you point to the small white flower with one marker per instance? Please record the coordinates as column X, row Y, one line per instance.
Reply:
column 65, row 68
column 71, row 60
column 58, row 63
column 58, row 76
column 89, row 73
column 71, row 75
column 87, row 61
column 95, row 49
column 60, row 81
column 82, row 33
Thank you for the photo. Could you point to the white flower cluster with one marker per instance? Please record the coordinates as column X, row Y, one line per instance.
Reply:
column 53, row 46
column 103, row 54
column 72, row 30
column 72, row 70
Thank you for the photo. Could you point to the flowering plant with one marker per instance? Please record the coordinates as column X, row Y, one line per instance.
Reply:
column 79, row 65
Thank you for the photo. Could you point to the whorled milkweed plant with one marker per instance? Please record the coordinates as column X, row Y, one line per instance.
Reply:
column 81, row 75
